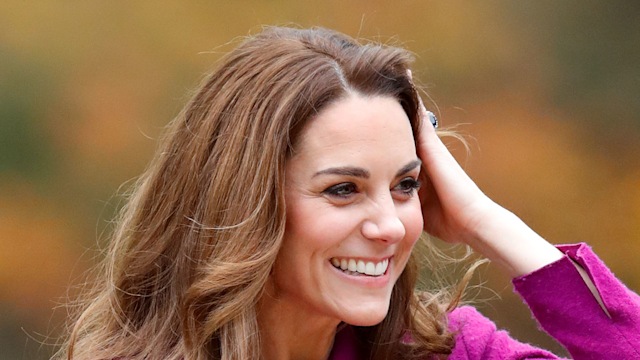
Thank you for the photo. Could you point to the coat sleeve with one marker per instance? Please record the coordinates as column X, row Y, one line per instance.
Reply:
column 576, row 300
column 579, row 302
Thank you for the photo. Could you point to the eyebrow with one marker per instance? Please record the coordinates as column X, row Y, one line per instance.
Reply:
column 345, row 171
column 410, row 166
column 362, row 173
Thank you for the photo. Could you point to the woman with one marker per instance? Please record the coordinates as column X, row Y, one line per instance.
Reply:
column 278, row 219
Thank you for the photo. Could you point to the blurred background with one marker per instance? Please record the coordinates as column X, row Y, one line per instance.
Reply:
column 548, row 93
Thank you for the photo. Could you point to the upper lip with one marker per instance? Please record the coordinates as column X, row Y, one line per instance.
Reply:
column 365, row 259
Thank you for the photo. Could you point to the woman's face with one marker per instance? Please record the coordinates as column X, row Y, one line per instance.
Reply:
column 353, row 213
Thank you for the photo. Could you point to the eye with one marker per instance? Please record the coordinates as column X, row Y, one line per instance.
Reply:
column 407, row 186
column 342, row 190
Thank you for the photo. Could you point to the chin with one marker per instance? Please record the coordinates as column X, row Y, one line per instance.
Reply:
column 367, row 316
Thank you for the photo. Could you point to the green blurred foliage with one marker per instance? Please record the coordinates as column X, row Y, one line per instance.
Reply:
column 549, row 92
column 22, row 96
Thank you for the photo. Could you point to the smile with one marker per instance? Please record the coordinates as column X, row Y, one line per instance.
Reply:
column 360, row 267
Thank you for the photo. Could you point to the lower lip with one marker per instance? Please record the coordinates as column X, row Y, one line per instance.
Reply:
column 365, row 280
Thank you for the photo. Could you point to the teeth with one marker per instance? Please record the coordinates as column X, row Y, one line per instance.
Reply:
column 370, row 269
column 380, row 268
column 354, row 267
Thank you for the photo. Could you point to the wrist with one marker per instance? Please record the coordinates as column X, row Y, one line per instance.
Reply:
column 506, row 240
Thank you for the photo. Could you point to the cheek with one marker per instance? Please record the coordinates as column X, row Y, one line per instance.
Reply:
column 413, row 221
column 308, row 239
column 319, row 225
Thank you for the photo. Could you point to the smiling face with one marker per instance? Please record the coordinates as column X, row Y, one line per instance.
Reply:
column 353, row 213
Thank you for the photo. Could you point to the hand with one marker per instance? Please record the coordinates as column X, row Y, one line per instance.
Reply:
column 455, row 210
column 453, row 206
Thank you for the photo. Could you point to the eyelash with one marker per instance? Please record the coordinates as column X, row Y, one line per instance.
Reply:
column 407, row 187
column 339, row 190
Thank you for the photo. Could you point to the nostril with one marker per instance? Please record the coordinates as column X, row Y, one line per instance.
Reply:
column 393, row 229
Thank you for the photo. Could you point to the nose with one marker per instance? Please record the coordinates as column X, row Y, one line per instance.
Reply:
column 383, row 222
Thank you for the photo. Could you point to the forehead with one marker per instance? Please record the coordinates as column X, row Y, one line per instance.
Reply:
column 357, row 125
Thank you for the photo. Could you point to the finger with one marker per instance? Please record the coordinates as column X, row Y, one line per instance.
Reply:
column 450, row 182
column 440, row 165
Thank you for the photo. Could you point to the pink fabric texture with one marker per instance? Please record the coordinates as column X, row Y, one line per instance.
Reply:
column 563, row 305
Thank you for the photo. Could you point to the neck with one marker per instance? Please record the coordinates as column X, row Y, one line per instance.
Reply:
column 289, row 330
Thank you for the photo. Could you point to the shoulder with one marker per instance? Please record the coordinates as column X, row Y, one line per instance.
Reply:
column 472, row 331
column 476, row 337
column 467, row 321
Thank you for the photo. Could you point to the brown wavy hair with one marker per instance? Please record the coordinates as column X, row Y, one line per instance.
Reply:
column 201, row 230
